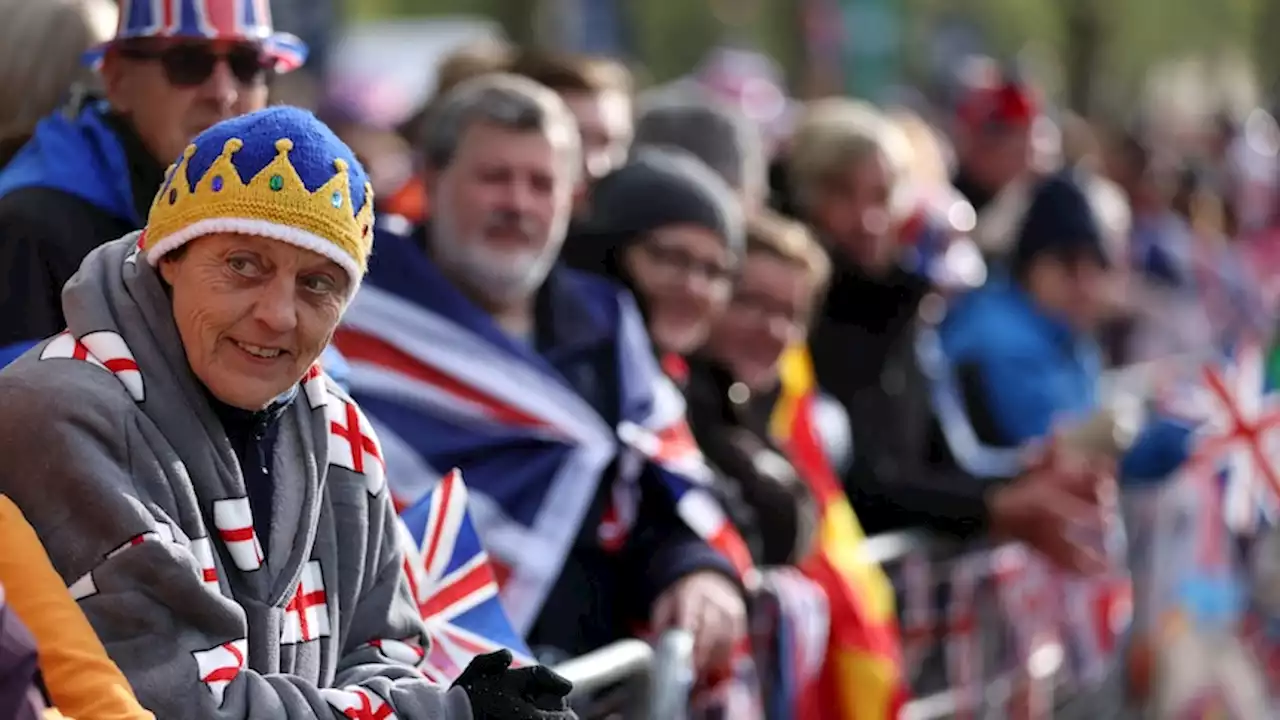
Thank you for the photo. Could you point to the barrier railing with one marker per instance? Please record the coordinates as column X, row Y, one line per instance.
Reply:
column 633, row 680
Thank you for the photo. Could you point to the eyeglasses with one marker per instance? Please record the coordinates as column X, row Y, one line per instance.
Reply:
column 684, row 263
column 191, row 64
column 766, row 310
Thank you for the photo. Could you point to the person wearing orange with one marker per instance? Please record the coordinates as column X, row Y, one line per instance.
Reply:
column 80, row 678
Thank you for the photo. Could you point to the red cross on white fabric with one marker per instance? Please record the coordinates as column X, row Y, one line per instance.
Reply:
column 404, row 652
column 358, row 703
column 218, row 666
column 87, row 586
column 353, row 445
column 234, row 521
column 313, row 386
column 307, row 613
column 105, row 349
column 1241, row 434
column 202, row 549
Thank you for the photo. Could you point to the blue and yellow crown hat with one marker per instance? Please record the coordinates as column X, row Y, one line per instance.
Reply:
column 278, row 173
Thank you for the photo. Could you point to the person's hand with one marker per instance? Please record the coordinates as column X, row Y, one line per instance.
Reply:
column 499, row 693
column 710, row 607
column 1060, row 508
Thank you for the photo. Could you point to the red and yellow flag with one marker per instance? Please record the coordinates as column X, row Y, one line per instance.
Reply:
column 862, row 678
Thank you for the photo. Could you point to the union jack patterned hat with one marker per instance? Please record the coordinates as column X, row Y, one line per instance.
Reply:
column 245, row 20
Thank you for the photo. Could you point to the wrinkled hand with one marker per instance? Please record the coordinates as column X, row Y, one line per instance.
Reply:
column 1059, row 507
column 498, row 692
column 710, row 607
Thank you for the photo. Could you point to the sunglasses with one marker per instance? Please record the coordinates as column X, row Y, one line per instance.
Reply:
column 191, row 64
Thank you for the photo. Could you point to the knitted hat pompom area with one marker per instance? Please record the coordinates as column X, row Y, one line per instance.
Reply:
column 277, row 173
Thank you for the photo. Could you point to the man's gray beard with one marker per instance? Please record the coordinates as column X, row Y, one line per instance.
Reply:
column 501, row 278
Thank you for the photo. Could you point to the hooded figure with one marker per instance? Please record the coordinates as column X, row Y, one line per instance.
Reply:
column 214, row 502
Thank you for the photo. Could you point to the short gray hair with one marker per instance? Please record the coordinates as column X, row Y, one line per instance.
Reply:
column 504, row 100
column 725, row 140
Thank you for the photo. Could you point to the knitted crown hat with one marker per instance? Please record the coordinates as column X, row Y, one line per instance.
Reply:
column 277, row 173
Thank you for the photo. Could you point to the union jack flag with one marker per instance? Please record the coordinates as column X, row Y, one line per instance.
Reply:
column 444, row 387
column 454, row 584
column 1239, row 428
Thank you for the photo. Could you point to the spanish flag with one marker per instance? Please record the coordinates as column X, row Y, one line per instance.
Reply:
column 862, row 677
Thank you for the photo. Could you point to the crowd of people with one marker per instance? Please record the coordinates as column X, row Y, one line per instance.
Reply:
column 684, row 372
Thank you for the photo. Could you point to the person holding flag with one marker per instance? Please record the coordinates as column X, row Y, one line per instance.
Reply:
column 470, row 348
column 748, row 416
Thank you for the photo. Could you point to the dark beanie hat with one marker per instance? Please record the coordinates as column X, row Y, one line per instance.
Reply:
column 1059, row 221
column 660, row 188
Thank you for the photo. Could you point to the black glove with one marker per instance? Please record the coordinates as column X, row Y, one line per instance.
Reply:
column 499, row 693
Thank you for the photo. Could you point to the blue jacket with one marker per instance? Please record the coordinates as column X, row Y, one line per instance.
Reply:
column 67, row 190
column 80, row 156
column 1028, row 371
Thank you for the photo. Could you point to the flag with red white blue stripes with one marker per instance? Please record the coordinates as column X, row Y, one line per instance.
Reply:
column 453, row 583
column 445, row 387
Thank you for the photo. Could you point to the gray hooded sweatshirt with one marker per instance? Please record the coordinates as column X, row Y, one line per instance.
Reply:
column 113, row 453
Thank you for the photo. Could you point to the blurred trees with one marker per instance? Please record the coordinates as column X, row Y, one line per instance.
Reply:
column 1103, row 47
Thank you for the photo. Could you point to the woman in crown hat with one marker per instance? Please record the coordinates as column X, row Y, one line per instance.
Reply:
column 214, row 502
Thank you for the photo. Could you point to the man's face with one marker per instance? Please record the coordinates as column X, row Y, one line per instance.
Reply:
column 172, row 90
column 999, row 155
column 253, row 313
column 605, row 124
column 852, row 213
column 1076, row 290
column 501, row 209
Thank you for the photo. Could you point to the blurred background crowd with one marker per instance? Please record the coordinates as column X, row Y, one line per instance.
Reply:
column 847, row 172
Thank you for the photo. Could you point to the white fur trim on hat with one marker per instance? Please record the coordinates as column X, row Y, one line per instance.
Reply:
column 262, row 228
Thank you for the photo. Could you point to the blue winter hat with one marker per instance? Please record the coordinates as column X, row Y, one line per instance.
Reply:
column 1059, row 221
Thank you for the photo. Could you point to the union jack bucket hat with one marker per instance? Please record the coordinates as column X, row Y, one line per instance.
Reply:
column 237, row 20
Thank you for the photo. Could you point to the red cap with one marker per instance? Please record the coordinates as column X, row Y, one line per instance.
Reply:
column 1006, row 104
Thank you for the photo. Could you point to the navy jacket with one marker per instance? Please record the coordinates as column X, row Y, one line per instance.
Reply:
column 603, row 596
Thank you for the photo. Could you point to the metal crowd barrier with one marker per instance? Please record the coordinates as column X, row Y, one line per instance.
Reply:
column 632, row 680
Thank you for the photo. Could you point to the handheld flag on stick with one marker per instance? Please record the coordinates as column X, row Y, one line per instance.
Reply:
column 454, row 584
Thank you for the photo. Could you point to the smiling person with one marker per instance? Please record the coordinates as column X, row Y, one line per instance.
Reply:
column 216, row 504
column 87, row 176
column 473, row 348
column 669, row 229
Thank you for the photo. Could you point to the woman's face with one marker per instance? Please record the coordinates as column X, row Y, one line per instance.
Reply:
column 768, row 312
column 853, row 214
column 253, row 313
column 684, row 276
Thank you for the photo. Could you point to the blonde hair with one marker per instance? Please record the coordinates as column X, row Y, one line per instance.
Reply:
column 835, row 133
column 928, row 165
column 41, row 44
column 772, row 234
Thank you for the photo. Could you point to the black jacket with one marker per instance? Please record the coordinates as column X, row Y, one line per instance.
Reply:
column 46, row 233
column 767, row 501
column 864, row 353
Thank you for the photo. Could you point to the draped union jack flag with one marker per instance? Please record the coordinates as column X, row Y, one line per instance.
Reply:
column 454, row 584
